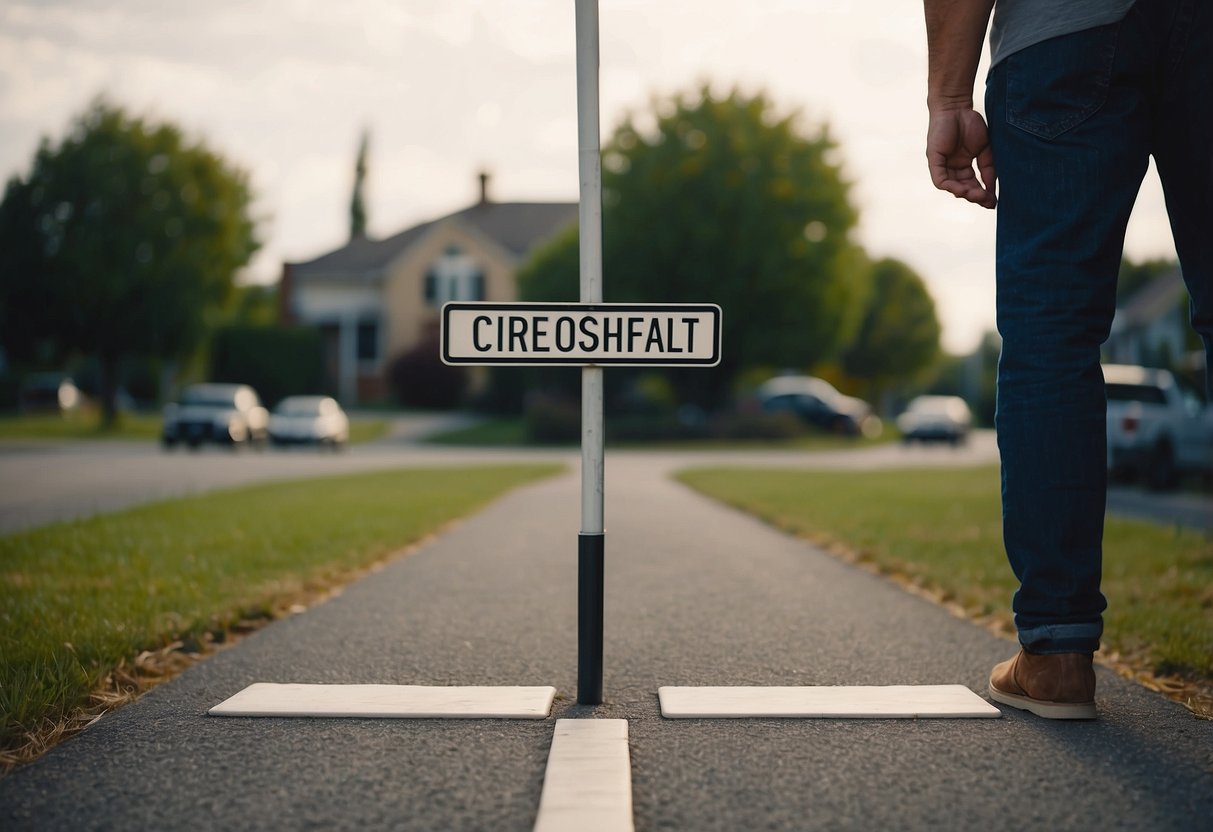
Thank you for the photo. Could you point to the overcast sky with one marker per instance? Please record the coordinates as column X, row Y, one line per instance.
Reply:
column 284, row 88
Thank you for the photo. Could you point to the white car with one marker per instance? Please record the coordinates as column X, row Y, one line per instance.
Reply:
column 936, row 418
column 1158, row 427
column 313, row 420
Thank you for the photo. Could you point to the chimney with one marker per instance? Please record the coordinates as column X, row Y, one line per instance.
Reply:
column 484, row 187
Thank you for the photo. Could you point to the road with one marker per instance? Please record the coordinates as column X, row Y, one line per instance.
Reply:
column 46, row 482
column 696, row 594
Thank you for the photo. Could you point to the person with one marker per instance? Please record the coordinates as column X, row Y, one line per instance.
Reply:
column 1079, row 95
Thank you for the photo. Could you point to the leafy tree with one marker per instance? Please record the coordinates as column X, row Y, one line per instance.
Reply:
column 254, row 305
column 119, row 241
column 726, row 201
column 358, row 200
column 898, row 337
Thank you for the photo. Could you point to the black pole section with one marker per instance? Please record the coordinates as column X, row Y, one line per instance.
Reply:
column 590, row 571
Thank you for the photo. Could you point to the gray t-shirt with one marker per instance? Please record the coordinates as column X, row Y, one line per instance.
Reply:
column 1021, row 23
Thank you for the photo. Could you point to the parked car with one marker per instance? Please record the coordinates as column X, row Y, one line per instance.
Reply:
column 226, row 414
column 1158, row 426
column 317, row 420
column 49, row 393
column 817, row 403
column 936, row 419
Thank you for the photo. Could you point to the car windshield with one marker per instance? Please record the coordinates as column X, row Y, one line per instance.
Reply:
column 299, row 407
column 208, row 398
column 1144, row 393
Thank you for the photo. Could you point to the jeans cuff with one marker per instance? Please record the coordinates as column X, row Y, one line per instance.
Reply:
column 1062, row 638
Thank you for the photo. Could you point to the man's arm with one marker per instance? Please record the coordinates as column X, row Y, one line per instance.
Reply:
column 957, row 135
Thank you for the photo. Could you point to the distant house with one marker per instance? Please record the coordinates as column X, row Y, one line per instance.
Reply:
column 376, row 299
column 1151, row 327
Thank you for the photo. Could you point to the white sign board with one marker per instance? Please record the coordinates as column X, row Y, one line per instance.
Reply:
column 585, row 334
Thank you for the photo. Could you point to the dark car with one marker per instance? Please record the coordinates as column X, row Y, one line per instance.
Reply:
column 49, row 393
column 816, row 402
column 225, row 414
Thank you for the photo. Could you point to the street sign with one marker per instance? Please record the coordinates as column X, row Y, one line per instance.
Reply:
column 581, row 334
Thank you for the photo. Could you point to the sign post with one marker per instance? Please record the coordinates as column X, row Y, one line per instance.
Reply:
column 590, row 334
column 591, row 540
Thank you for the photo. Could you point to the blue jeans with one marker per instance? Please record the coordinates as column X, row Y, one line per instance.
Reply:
column 1073, row 122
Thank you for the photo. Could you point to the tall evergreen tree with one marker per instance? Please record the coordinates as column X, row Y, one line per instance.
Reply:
column 358, row 200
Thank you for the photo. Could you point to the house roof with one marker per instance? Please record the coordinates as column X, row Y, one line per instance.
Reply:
column 516, row 226
column 1159, row 297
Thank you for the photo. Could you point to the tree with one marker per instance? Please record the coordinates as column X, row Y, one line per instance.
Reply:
column 119, row 241
column 358, row 200
column 726, row 201
column 898, row 336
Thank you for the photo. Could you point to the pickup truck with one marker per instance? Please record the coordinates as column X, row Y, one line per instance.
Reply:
column 1158, row 427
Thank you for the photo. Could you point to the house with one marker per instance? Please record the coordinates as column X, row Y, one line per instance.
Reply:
column 1151, row 328
column 375, row 299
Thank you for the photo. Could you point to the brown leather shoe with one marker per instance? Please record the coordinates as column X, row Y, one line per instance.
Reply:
column 1055, row 686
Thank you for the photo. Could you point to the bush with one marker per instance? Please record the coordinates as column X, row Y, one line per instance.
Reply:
column 552, row 421
column 277, row 361
column 420, row 379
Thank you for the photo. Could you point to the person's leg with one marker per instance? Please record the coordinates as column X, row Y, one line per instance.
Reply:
column 1183, row 149
column 1069, row 127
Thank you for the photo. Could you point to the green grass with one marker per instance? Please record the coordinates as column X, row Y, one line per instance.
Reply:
column 943, row 528
column 511, row 432
column 77, row 599
column 79, row 424
column 367, row 430
column 488, row 433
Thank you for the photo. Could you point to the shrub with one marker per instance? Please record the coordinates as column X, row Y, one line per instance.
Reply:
column 420, row 379
column 552, row 421
column 277, row 361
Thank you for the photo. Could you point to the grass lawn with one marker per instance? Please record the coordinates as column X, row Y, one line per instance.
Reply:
column 511, row 432
column 942, row 529
column 80, row 424
column 83, row 600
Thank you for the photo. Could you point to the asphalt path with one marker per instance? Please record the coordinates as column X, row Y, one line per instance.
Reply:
column 697, row 594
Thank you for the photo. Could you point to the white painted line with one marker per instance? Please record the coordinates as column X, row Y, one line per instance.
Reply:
column 389, row 701
column 826, row 702
column 588, row 783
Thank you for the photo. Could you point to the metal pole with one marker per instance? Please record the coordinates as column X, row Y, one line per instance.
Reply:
column 590, row 548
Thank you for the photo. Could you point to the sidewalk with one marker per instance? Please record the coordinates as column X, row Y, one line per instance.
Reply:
column 696, row 595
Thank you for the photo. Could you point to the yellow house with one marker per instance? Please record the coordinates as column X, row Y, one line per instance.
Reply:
column 375, row 299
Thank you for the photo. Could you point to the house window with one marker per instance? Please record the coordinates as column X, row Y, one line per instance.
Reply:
column 455, row 276
column 368, row 341
column 431, row 287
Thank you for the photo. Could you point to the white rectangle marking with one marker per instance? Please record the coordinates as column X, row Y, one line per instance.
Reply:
column 825, row 702
column 589, row 334
column 588, row 783
column 389, row 701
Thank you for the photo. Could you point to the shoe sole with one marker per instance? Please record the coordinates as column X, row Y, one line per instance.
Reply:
column 1043, row 708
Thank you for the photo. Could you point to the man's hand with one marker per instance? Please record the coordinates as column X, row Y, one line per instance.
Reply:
column 956, row 138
